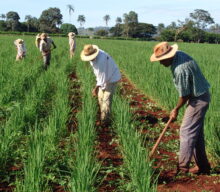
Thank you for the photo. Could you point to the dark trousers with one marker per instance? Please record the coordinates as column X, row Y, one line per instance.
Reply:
column 46, row 59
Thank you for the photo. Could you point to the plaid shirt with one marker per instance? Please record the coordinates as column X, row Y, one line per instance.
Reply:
column 187, row 76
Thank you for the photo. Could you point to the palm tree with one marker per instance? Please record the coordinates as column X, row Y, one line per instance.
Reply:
column 28, row 19
column 118, row 20
column 71, row 10
column 106, row 18
column 81, row 19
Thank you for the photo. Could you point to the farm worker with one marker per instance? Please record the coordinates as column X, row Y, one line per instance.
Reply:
column 193, row 91
column 21, row 49
column 37, row 41
column 45, row 48
column 72, row 43
column 107, row 75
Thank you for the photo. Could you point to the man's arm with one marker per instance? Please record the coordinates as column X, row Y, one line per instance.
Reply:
column 181, row 102
column 95, row 91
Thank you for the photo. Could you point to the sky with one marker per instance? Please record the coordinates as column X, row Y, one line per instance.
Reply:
column 149, row 11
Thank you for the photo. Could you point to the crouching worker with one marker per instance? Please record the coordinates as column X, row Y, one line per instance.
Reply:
column 193, row 91
column 21, row 49
column 72, row 43
column 45, row 49
column 107, row 75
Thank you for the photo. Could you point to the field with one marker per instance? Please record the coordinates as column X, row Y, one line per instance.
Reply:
column 50, row 138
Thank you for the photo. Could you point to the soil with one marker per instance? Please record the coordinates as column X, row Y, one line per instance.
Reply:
column 75, row 101
column 148, row 114
column 110, row 158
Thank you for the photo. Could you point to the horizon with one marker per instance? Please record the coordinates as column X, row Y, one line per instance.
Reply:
column 152, row 13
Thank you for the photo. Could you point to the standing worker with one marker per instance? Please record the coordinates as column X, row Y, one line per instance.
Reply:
column 72, row 43
column 37, row 41
column 21, row 49
column 45, row 49
column 193, row 90
column 107, row 75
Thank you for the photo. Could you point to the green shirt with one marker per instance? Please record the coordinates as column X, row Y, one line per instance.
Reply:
column 187, row 76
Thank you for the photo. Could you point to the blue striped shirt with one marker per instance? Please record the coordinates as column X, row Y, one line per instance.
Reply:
column 187, row 76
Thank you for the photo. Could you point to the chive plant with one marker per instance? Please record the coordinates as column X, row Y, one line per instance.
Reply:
column 85, row 167
column 136, row 156
column 44, row 139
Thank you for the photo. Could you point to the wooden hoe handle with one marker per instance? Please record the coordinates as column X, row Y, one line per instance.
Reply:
column 159, row 139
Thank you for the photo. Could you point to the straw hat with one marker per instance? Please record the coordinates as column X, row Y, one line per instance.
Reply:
column 89, row 52
column 163, row 51
column 71, row 34
column 20, row 41
column 43, row 35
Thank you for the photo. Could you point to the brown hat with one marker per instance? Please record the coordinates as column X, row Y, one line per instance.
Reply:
column 163, row 51
column 89, row 52
column 43, row 35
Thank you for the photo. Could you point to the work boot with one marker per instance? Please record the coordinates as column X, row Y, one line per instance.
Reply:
column 200, row 171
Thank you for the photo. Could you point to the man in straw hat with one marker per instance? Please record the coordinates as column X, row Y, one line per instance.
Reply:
column 72, row 43
column 193, row 90
column 37, row 40
column 21, row 49
column 107, row 75
column 45, row 49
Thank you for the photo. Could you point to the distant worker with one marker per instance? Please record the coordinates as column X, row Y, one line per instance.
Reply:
column 72, row 43
column 21, row 49
column 193, row 91
column 107, row 75
column 37, row 41
column 45, row 49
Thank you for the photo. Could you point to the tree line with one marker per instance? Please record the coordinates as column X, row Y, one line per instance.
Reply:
column 198, row 27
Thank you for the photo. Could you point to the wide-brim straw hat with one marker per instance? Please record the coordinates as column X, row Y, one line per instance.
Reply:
column 20, row 41
column 71, row 34
column 89, row 52
column 163, row 51
column 43, row 35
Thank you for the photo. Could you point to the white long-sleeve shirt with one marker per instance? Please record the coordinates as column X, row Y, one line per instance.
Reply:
column 105, row 69
column 21, row 49
column 72, row 43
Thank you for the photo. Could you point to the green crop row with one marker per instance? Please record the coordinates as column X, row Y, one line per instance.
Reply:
column 34, row 111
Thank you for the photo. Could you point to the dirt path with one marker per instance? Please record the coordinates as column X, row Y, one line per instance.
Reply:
column 110, row 157
column 151, row 119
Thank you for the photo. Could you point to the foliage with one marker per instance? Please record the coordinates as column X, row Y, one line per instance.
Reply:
column 102, row 32
column 167, row 35
column 160, row 27
column 3, row 26
column 130, row 23
column 66, row 28
column 81, row 19
column 201, row 18
column 50, row 19
column 106, row 18
column 144, row 30
column 12, row 20
column 70, row 10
